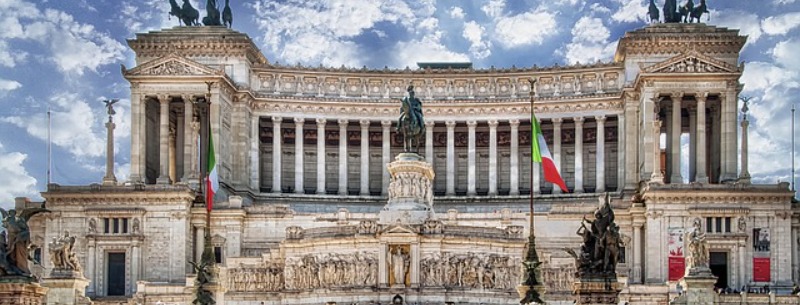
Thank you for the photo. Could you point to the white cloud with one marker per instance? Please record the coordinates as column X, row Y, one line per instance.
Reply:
column 474, row 33
column 457, row 12
column 530, row 28
column 494, row 8
column 8, row 85
column 759, row 76
column 589, row 42
column 630, row 11
column 747, row 23
column 779, row 2
column 599, row 8
column 429, row 48
column 781, row 24
column 785, row 53
column 14, row 178
column 10, row 58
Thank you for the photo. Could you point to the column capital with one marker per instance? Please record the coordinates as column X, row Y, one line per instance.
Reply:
column 676, row 96
column 557, row 121
column 472, row 123
column 277, row 119
column 429, row 124
column 343, row 122
column 321, row 122
column 299, row 121
column 364, row 123
column 450, row 124
column 513, row 122
column 387, row 123
column 493, row 123
column 578, row 120
column 164, row 98
column 701, row 97
column 600, row 118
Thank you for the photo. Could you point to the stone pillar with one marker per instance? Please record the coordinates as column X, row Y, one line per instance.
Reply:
column 414, row 265
column 172, row 152
column 596, row 291
column 600, row 169
column 657, row 176
column 23, row 293
column 386, row 154
column 163, row 175
column 91, row 261
column 698, row 290
column 638, row 247
column 255, row 153
column 578, row 155
column 343, row 156
column 451, row 158
column 692, row 143
column 321, row 156
column 700, row 157
column 136, row 262
column 744, row 176
column 742, row 249
column 277, row 153
column 110, row 178
column 730, row 133
column 493, row 157
column 675, row 139
column 180, row 140
column 137, row 108
column 514, row 158
column 795, row 258
column 364, row 190
column 557, row 149
column 299, row 187
column 199, row 236
column 471, row 158
column 429, row 141
column 622, row 151
column 411, row 191
column 189, row 138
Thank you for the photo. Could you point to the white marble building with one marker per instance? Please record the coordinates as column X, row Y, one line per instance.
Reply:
column 296, row 220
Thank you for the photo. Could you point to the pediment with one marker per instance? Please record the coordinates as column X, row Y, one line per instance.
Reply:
column 171, row 65
column 399, row 229
column 692, row 62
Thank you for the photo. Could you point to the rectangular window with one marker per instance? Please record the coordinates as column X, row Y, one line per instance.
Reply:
column 106, row 226
column 116, row 225
column 719, row 224
column 218, row 255
column 124, row 226
column 727, row 224
column 709, row 224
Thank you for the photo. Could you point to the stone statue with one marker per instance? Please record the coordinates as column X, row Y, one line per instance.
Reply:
column 411, row 122
column 399, row 264
column 697, row 250
column 227, row 15
column 92, row 226
column 135, row 226
column 602, row 243
column 110, row 106
column 62, row 253
column 18, row 239
column 653, row 11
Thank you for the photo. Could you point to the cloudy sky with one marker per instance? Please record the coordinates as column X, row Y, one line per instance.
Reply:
column 65, row 56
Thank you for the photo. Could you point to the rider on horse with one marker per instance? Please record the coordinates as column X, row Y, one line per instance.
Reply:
column 411, row 122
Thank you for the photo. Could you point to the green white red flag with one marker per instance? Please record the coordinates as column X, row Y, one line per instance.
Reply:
column 212, row 181
column 541, row 154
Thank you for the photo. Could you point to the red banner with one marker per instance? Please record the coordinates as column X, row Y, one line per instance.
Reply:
column 761, row 269
column 677, row 268
column 676, row 263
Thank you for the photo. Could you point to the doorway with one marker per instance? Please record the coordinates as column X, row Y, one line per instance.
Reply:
column 718, row 261
column 116, row 274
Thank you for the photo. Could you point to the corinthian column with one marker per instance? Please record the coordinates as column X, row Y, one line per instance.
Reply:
column 277, row 152
column 675, row 137
column 299, row 187
column 600, row 170
column 700, row 167
column 163, row 177
column 657, row 177
column 514, row 172
column 471, row 158
column 579, row 155
column 343, row 156
column 493, row 157
column 451, row 159
column 188, row 140
column 556, row 149
column 364, row 158
column 386, row 140
column 321, row 156
column 429, row 141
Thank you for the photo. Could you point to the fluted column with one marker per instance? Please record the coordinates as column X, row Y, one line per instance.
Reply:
column 638, row 247
column 343, row 156
column 386, row 154
column 514, row 158
column 600, row 170
column 451, row 158
column 277, row 153
column 172, row 154
column 493, row 157
column 701, row 165
column 579, row 155
column 656, row 176
column 622, row 154
column 299, row 188
column 321, row 155
column 471, row 158
column 429, row 141
column 137, row 108
column 675, row 138
column 692, row 143
column 163, row 175
column 364, row 190
column 744, row 176
column 557, row 149
column 188, row 140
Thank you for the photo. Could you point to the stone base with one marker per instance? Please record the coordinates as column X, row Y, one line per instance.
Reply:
column 595, row 291
column 66, row 290
column 698, row 289
column 410, row 192
column 21, row 291
column 404, row 217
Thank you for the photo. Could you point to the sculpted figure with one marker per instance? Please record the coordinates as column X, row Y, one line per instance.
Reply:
column 18, row 238
column 697, row 254
column 411, row 123
column 92, row 226
column 399, row 262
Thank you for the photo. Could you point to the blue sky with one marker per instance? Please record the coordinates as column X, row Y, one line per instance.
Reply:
column 65, row 56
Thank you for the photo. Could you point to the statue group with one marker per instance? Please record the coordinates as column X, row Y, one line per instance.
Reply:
column 62, row 254
column 600, row 251
column 187, row 15
column 697, row 257
column 15, row 242
column 411, row 123
column 687, row 13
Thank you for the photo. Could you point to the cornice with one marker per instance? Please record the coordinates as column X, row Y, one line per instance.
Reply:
column 512, row 71
column 718, row 194
column 672, row 38
column 197, row 42
column 136, row 195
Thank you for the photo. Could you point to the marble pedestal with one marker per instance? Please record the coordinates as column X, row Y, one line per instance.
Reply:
column 66, row 288
column 596, row 290
column 698, row 287
column 410, row 191
column 22, row 291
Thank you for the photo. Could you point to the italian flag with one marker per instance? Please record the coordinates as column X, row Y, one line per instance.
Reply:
column 541, row 154
column 212, row 181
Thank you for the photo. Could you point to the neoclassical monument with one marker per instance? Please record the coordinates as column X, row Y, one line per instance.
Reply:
column 303, row 152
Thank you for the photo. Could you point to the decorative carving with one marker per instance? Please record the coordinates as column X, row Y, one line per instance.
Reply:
column 692, row 62
column 742, row 225
column 294, row 232
column 399, row 262
column 334, row 270
column 367, row 227
column 697, row 257
column 269, row 278
column 514, row 231
column 600, row 251
column 92, row 228
column 135, row 229
column 469, row 270
column 62, row 254
column 432, row 226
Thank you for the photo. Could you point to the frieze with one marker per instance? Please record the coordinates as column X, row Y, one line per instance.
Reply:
column 332, row 270
column 267, row 278
column 171, row 65
column 469, row 270
column 692, row 62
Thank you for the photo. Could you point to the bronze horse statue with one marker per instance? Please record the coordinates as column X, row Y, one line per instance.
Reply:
column 698, row 11
column 212, row 13
column 685, row 10
column 670, row 12
column 653, row 11
column 227, row 16
column 188, row 14
column 411, row 122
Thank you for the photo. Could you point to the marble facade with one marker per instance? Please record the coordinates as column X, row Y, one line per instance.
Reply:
column 303, row 151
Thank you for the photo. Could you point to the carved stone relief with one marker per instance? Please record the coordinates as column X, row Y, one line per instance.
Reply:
column 469, row 270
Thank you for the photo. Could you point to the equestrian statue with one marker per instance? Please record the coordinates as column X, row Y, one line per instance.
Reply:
column 686, row 13
column 189, row 16
column 411, row 123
